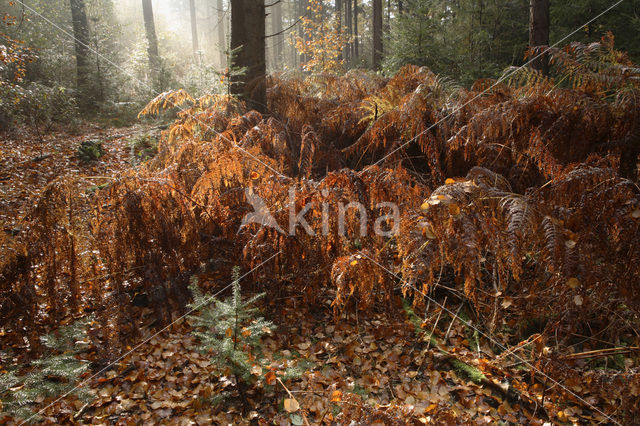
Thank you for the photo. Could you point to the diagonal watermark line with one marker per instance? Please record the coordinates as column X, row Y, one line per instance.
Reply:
column 500, row 80
column 500, row 345
column 506, row 75
column 110, row 62
column 145, row 341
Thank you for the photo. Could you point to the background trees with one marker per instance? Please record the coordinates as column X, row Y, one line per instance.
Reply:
column 534, row 249
column 248, row 47
column 376, row 26
column 152, row 39
column 539, row 32
column 194, row 26
column 126, row 46
column 81, row 35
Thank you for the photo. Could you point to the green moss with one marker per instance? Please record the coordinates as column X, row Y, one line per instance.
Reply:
column 359, row 390
column 465, row 370
column 411, row 315
column 416, row 321
column 95, row 188
column 90, row 150
column 143, row 147
column 615, row 362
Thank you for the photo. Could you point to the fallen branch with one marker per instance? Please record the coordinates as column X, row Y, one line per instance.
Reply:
column 600, row 353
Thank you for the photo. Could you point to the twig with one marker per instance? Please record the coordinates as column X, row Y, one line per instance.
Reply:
column 436, row 324
column 455, row 317
column 598, row 353
column 304, row 417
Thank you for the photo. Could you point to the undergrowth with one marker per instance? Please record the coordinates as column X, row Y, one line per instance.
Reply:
column 521, row 197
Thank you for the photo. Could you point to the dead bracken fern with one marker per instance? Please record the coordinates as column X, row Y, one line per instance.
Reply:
column 524, row 192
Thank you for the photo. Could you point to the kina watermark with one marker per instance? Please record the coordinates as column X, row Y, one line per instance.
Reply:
column 385, row 225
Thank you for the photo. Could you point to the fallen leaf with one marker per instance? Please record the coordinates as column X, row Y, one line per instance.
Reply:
column 270, row 378
column 296, row 420
column 573, row 282
column 427, row 232
column 291, row 405
column 506, row 302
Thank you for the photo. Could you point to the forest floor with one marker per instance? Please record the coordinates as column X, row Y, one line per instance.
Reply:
column 423, row 370
column 29, row 162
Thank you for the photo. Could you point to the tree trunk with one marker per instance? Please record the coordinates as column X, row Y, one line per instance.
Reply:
column 539, row 18
column 377, row 34
column 278, row 41
column 400, row 7
column 194, row 26
column 628, row 167
column 349, row 28
column 293, row 15
column 302, row 10
column 356, row 42
column 338, row 10
column 387, row 26
column 152, row 39
column 222, row 40
column 247, row 35
column 81, row 36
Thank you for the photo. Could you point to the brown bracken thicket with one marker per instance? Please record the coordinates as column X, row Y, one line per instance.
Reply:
column 521, row 197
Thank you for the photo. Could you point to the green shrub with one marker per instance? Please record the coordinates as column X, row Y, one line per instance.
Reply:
column 230, row 330
column 22, row 386
column 143, row 147
column 89, row 150
column 41, row 106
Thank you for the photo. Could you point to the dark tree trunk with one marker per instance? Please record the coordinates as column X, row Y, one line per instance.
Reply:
column 348, row 23
column 152, row 39
column 400, row 7
column 630, row 145
column 539, row 18
column 81, row 35
column 247, row 33
column 194, row 26
column 377, row 34
column 339, row 21
column 356, row 42
column 222, row 40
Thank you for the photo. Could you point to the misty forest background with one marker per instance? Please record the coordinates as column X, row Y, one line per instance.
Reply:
column 136, row 134
column 462, row 40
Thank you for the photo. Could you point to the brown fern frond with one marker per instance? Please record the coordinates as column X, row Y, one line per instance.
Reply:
column 167, row 100
column 307, row 151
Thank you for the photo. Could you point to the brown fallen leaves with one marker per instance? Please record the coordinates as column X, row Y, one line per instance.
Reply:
column 371, row 371
column 28, row 164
